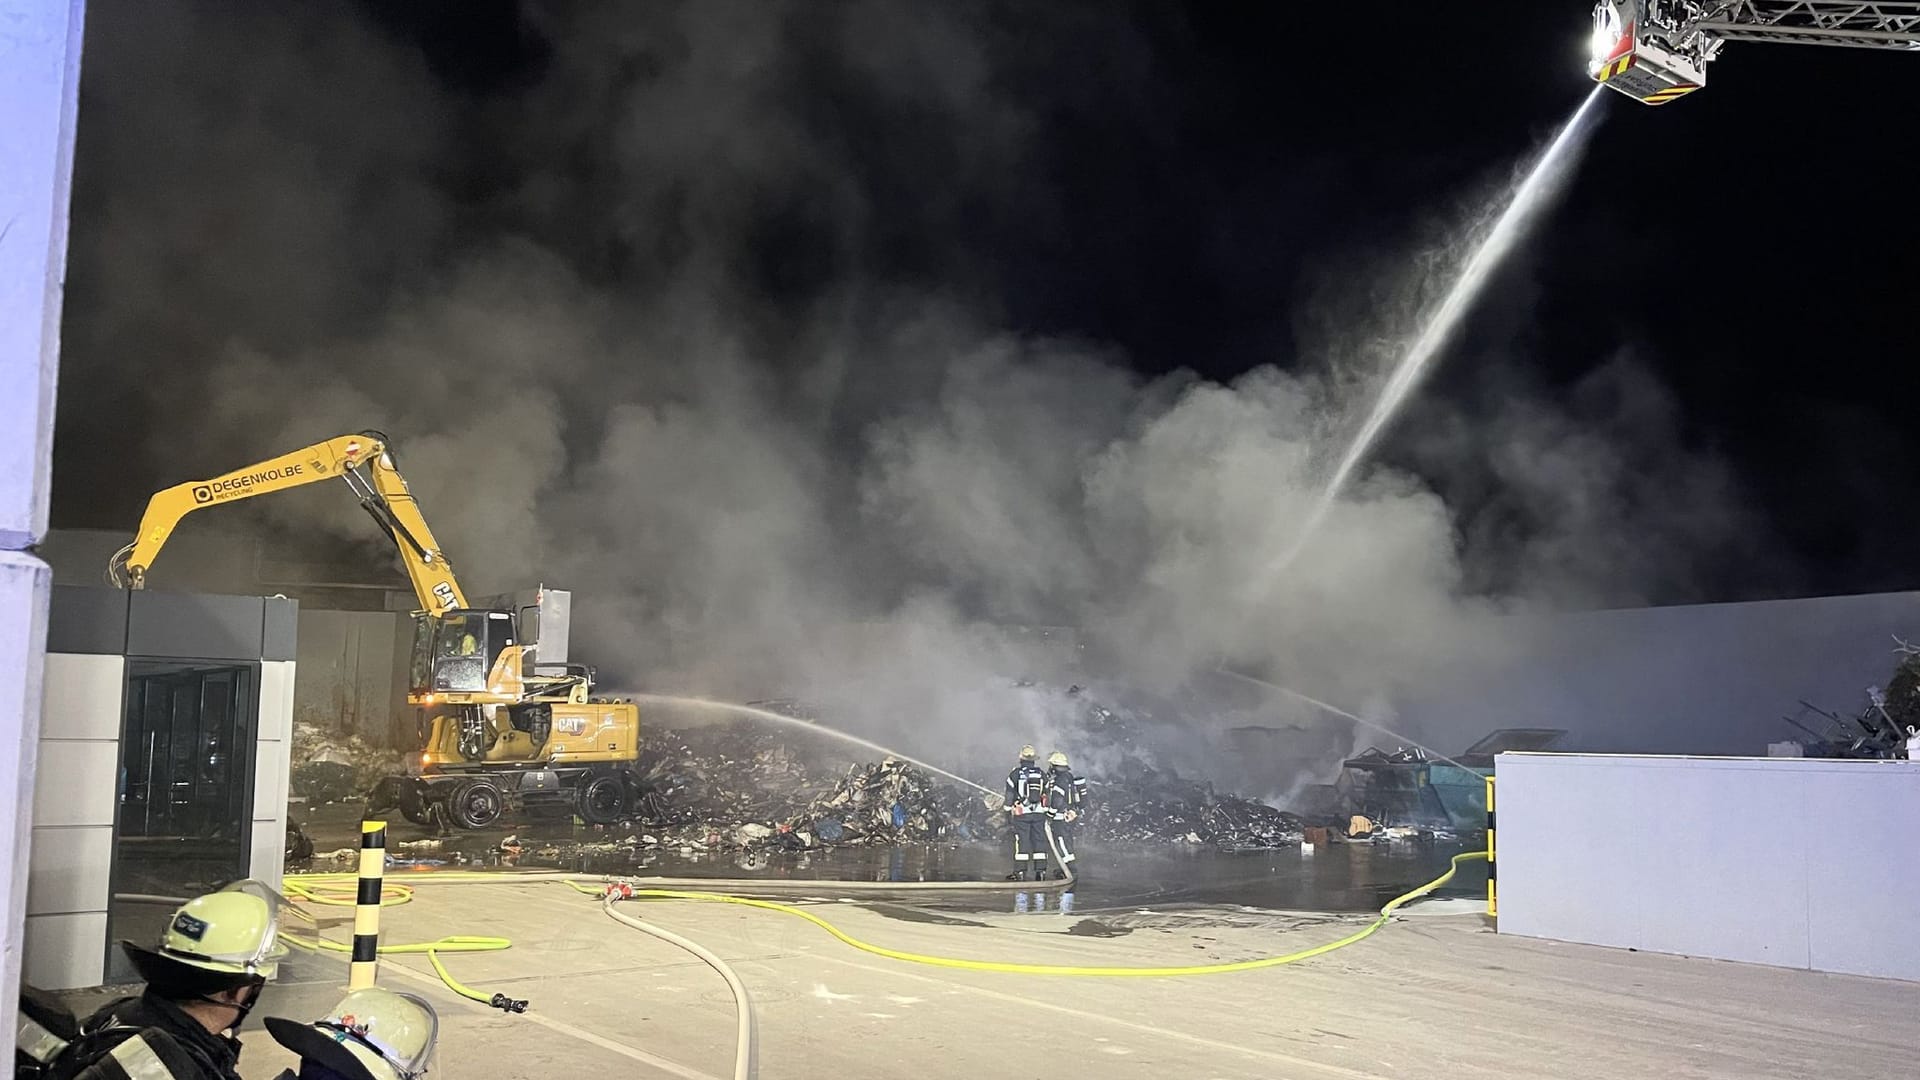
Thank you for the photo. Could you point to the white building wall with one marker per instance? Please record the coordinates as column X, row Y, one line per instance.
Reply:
column 73, row 814
column 1793, row 862
column 39, row 98
column 76, row 801
column 272, row 764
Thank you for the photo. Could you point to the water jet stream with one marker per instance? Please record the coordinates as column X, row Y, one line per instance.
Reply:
column 1338, row 711
column 1542, row 182
column 809, row 725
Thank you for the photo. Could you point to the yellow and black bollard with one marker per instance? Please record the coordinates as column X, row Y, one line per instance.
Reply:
column 366, row 911
column 1493, row 907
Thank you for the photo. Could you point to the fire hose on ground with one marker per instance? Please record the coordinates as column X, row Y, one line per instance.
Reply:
column 328, row 889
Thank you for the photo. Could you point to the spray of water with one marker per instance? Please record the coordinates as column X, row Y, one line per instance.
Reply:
column 1338, row 711
column 809, row 725
column 1541, row 184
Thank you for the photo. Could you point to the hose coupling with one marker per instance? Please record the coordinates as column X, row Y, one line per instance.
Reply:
column 507, row 1004
column 619, row 890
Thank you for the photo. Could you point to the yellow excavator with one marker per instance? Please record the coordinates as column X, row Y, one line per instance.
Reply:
column 500, row 729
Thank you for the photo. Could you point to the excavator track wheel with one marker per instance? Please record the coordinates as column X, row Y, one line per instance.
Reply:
column 604, row 800
column 476, row 804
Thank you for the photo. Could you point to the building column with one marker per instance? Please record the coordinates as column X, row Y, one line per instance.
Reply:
column 39, row 95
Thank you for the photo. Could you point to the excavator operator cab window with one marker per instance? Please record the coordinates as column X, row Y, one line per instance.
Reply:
column 458, row 650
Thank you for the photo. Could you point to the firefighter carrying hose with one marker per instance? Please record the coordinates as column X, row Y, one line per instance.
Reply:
column 372, row 1034
column 206, row 974
column 1027, row 805
column 1066, row 801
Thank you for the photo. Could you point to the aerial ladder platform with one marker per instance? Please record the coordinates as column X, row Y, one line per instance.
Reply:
column 1657, row 51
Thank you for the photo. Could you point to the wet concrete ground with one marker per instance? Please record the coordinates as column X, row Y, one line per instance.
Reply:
column 1432, row 994
column 1333, row 878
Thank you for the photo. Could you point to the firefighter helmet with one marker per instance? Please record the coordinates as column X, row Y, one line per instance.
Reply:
column 234, row 931
column 372, row 1034
column 1028, row 753
column 1057, row 758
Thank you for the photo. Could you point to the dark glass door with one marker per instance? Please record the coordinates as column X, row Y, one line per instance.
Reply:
column 185, row 800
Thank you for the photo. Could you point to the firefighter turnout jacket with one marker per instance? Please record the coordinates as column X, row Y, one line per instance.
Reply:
column 1026, row 790
column 146, row 1038
column 1065, row 792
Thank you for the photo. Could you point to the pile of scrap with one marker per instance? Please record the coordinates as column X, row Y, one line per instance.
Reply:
column 734, row 787
column 1141, row 804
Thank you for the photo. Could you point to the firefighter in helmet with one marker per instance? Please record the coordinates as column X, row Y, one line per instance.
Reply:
column 203, row 978
column 1066, row 801
column 1027, row 806
column 372, row 1034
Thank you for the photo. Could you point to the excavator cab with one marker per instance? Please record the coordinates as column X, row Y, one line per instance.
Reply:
column 456, row 653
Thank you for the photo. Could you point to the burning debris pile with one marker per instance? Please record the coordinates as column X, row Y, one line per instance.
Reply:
column 732, row 786
column 739, row 787
column 1151, row 805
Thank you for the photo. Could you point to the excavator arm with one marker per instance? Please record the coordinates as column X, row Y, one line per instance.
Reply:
column 363, row 461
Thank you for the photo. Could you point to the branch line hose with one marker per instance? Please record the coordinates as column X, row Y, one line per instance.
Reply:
column 745, row 1054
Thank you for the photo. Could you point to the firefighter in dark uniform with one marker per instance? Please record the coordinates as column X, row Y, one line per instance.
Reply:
column 1027, row 805
column 217, row 953
column 1066, row 801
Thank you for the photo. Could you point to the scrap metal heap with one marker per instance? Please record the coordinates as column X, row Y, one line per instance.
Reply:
column 732, row 786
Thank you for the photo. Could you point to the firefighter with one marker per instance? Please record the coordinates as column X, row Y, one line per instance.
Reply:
column 1027, row 804
column 205, row 975
column 372, row 1034
column 1066, row 801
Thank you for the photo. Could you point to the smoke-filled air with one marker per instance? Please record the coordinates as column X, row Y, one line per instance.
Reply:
column 694, row 323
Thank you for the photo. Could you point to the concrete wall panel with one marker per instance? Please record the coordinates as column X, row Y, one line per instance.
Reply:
column 352, row 671
column 66, row 951
column 268, row 855
column 277, row 690
column 77, row 783
column 72, row 870
column 84, row 695
column 272, row 765
column 1860, row 829
column 1782, row 861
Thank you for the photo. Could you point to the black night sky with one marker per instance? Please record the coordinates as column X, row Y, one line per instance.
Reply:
column 1200, row 179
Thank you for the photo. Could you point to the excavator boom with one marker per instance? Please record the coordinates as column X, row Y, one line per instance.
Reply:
column 499, row 728
column 363, row 461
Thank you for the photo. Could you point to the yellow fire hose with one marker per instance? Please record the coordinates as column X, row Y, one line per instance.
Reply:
column 324, row 890
column 338, row 890
column 330, row 889
column 1386, row 913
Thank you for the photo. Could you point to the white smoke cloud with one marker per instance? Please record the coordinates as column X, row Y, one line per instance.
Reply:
column 649, row 360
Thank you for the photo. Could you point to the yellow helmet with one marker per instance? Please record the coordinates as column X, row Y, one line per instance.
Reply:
column 1057, row 758
column 372, row 1034
column 234, row 931
column 1027, row 753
